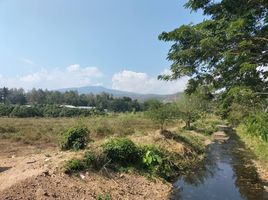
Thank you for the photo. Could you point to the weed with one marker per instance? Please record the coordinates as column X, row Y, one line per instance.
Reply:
column 104, row 197
column 121, row 150
column 75, row 138
column 73, row 166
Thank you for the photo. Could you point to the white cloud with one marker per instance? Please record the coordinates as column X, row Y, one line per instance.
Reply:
column 26, row 60
column 142, row 83
column 72, row 76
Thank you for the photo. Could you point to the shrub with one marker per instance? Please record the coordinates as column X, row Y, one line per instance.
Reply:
column 5, row 110
column 75, row 138
column 73, row 166
column 151, row 156
column 51, row 111
column 122, row 150
column 89, row 158
column 23, row 111
column 257, row 125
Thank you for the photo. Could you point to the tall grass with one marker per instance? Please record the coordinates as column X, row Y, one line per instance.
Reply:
column 256, row 144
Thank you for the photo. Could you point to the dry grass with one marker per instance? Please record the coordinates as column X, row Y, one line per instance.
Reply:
column 33, row 130
column 47, row 130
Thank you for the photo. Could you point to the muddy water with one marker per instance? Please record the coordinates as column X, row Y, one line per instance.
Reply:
column 227, row 174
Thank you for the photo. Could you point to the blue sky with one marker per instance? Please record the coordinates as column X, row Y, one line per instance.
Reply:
column 68, row 43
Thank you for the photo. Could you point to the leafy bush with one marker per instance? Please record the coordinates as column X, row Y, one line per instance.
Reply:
column 23, row 111
column 89, row 158
column 257, row 125
column 151, row 156
column 73, row 166
column 76, row 138
column 51, row 111
column 122, row 150
column 5, row 110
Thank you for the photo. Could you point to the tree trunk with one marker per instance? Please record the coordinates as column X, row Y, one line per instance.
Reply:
column 188, row 124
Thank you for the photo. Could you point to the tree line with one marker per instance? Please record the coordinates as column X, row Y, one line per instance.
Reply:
column 101, row 102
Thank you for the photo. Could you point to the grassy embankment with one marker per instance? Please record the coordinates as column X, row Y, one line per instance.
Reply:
column 181, row 149
column 256, row 145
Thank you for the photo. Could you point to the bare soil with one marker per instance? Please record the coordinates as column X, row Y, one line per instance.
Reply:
column 30, row 172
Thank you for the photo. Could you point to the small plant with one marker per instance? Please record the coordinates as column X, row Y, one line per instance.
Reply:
column 89, row 158
column 75, row 138
column 73, row 166
column 122, row 150
column 152, row 156
column 104, row 197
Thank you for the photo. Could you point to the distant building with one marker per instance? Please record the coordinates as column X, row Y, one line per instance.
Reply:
column 78, row 107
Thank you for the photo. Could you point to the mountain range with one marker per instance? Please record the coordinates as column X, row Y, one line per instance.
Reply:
column 118, row 93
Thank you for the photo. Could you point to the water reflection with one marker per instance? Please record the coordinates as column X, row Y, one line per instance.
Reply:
column 226, row 173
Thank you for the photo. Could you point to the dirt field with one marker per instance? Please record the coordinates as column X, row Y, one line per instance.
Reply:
column 28, row 172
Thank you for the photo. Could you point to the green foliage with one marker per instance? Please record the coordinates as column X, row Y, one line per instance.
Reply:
column 256, row 144
column 162, row 113
column 48, row 110
column 104, row 197
column 151, row 157
column 151, row 104
column 5, row 110
column 73, row 166
column 208, row 125
column 150, row 160
column 23, row 111
column 238, row 103
column 89, row 158
column 48, row 101
column 75, row 138
column 51, row 110
column 257, row 125
column 192, row 107
column 122, row 150
column 224, row 51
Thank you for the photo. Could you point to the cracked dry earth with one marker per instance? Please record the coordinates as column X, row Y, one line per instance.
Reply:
column 28, row 172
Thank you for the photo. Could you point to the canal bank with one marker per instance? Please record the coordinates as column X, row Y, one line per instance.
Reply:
column 227, row 172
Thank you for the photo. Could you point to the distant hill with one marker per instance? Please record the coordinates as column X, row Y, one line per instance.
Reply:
column 118, row 93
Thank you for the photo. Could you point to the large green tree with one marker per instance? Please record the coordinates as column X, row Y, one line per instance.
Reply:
column 228, row 49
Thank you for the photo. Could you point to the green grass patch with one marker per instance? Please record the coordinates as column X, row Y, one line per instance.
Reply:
column 258, row 146
column 208, row 125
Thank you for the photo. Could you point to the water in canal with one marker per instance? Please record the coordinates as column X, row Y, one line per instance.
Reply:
column 226, row 174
